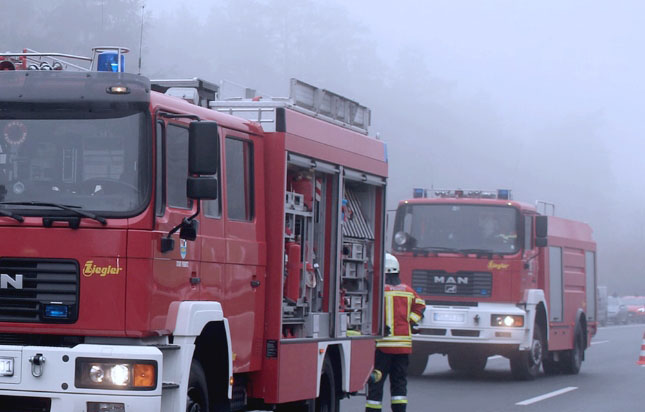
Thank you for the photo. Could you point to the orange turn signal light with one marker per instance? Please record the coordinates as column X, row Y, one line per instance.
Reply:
column 144, row 375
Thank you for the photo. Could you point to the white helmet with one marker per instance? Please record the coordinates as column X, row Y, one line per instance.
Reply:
column 391, row 264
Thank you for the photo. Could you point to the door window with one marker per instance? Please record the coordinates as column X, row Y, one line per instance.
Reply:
column 239, row 179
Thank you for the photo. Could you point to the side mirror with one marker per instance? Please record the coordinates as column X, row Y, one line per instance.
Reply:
column 203, row 148
column 541, row 230
column 201, row 188
column 541, row 226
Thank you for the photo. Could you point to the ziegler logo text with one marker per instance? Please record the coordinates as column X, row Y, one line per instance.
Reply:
column 498, row 266
column 91, row 269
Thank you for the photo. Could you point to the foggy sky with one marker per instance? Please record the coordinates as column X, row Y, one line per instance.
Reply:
column 542, row 97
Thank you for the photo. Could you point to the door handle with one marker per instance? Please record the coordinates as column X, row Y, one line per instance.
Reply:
column 255, row 283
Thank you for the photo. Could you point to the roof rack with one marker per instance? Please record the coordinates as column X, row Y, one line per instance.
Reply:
column 196, row 91
column 503, row 194
column 543, row 207
column 304, row 98
column 30, row 59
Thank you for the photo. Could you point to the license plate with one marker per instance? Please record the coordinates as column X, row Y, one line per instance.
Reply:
column 449, row 317
column 6, row 366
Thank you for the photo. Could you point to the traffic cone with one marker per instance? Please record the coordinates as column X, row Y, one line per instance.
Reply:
column 641, row 358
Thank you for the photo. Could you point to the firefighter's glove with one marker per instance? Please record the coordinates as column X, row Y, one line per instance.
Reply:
column 387, row 331
column 375, row 376
column 414, row 328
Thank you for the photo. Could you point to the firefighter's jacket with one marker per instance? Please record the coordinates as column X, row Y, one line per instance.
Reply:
column 402, row 307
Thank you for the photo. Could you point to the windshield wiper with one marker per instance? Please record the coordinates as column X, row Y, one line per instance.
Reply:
column 480, row 252
column 435, row 249
column 12, row 215
column 70, row 208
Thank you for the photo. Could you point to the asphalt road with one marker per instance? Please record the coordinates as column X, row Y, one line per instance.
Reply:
column 610, row 380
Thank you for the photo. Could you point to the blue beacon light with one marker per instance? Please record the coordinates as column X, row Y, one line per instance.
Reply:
column 108, row 62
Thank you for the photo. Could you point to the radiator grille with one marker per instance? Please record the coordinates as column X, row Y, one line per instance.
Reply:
column 24, row 404
column 440, row 283
column 27, row 285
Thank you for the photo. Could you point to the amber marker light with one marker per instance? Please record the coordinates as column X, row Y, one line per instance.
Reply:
column 144, row 375
column 118, row 90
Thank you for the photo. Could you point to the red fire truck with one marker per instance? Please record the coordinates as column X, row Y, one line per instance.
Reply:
column 163, row 250
column 498, row 278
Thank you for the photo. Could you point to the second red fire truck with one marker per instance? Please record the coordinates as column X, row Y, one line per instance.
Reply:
column 163, row 250
column 498, row 279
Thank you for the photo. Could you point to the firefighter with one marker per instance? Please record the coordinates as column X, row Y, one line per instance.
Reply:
column 403, row 310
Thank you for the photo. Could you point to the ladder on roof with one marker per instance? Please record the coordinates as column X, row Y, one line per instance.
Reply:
column 303, row 97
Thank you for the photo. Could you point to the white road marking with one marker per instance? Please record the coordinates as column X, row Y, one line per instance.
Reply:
column 598, row 342
column 495, row 357
column 547, row 396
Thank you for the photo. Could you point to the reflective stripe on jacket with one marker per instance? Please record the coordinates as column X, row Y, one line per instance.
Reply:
column 402, row 306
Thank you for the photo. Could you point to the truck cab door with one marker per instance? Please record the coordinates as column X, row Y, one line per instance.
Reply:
column 529, row 255
column 176, row 272
column 234, row 248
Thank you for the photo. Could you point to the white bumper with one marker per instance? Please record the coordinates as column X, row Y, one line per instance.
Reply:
column 57, row 381
column 464, row 324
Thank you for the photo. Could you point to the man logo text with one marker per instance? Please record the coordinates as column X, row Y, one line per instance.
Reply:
column 455, row 280
column 7, row 280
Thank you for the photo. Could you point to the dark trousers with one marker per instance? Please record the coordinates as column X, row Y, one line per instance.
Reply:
column 396, row 366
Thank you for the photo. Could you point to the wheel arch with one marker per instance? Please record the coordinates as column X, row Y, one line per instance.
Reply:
column 581, row 321
column 201, row 332
column 336, row 356
column 541, row 321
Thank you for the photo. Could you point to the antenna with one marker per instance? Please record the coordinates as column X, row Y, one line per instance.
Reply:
column 143, row 6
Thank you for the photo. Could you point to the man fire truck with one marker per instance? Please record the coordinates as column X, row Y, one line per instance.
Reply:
column 498, row 279
column 158, row 254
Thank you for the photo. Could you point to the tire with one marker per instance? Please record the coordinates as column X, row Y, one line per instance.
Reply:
column 551, row 367
column 468, row 363
column 573, row 357
column 197, row 394
column 418, row 363
column 525, row 365
column 328, row 400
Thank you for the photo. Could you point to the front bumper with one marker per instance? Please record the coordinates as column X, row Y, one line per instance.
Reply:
column 56, row 383
column 472, row 325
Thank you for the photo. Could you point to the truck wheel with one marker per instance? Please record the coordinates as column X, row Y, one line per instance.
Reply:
column 417, row 365
column 551, row 367
column 468, row 363
column 573, row 357
column 525, row 365
column 328, row 400
column 197, row 395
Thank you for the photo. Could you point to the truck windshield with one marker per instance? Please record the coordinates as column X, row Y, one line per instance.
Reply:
column 94, row 162
column 457, row 228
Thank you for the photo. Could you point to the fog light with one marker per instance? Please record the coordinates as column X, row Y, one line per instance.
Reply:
column 105, row 407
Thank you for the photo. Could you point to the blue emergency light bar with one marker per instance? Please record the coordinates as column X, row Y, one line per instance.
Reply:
column 504, row 194
column 418, row 193
column 109, row 62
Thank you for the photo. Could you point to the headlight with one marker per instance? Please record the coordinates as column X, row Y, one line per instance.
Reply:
column 125, row 374
column 515, row 321
column 400, row 238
